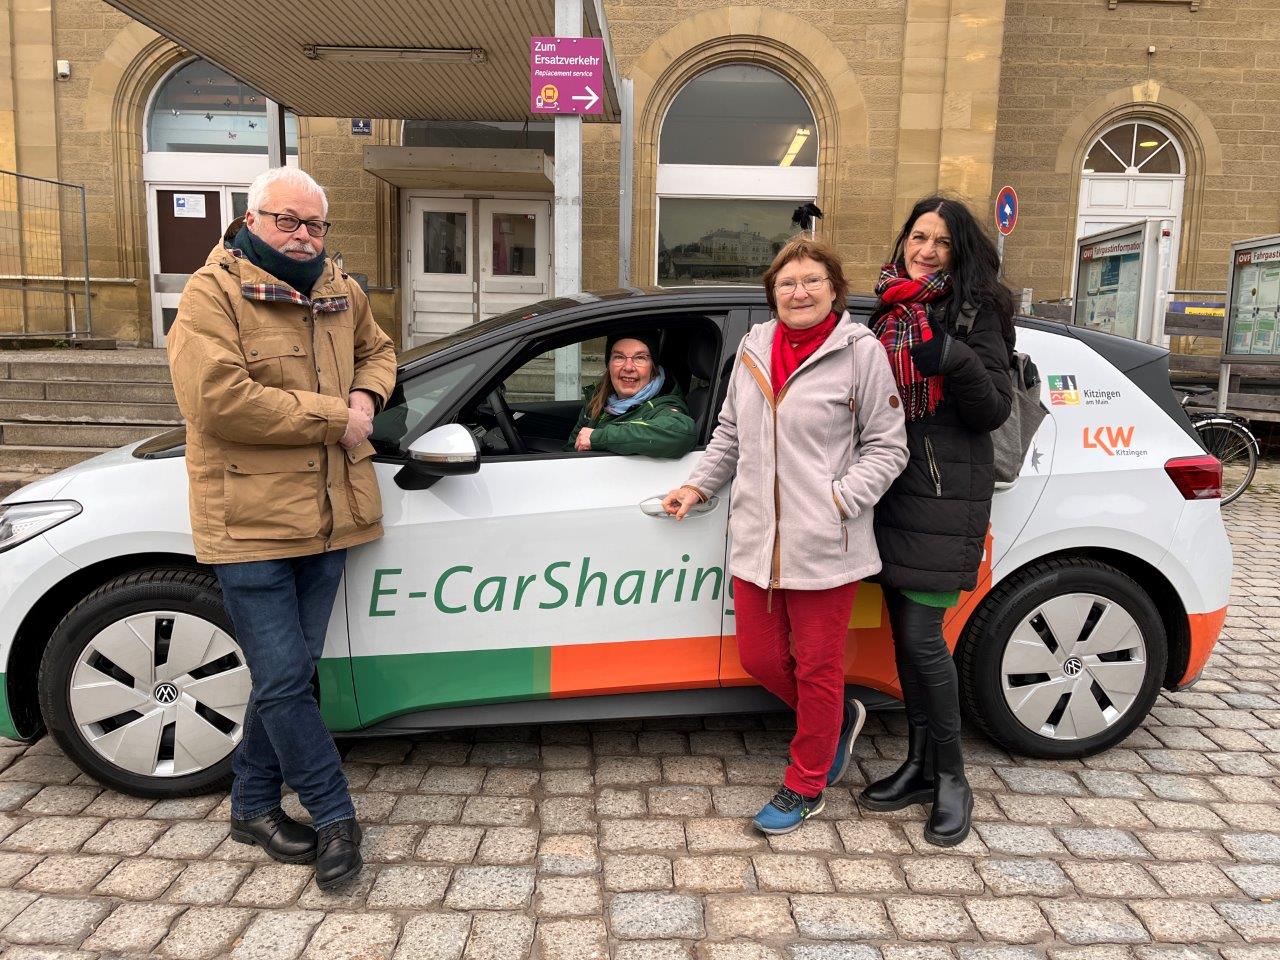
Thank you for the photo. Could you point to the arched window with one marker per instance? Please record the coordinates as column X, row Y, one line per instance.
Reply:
column 1135, row 147
column 202, row 109
column 1134, row 170
column 737, row 154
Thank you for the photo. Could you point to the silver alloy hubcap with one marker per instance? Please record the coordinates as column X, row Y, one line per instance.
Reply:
column 1073, row 667
column 160, row 694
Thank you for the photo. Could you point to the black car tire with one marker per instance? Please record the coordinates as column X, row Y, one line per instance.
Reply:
column 184, row 591
column 980, row 653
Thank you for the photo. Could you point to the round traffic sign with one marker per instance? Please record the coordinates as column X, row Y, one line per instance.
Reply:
column 1006, row 210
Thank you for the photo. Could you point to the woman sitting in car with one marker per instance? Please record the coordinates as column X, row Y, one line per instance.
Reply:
column 635, row 408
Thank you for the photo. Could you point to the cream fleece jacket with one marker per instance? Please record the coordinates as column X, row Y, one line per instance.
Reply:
column 809, row 465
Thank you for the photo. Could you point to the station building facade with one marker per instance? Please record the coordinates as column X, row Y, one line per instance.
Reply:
column 1098, row 112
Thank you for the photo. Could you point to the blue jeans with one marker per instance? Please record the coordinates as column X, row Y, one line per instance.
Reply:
column 281, row 610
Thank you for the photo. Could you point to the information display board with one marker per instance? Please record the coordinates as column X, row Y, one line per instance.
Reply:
column 1115, row 279
column 1253, row 301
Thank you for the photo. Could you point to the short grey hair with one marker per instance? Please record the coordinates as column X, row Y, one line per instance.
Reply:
column 291, row 176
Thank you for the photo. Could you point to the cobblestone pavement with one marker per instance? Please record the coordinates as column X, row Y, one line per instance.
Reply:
column 631, row 841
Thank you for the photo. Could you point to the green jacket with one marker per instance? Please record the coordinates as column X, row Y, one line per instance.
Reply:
column 660, row 427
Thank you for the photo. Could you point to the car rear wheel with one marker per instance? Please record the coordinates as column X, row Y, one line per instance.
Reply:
column 144, row 686
column 1062, row 659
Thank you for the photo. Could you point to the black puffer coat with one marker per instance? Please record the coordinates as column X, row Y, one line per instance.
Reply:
column 931, row 525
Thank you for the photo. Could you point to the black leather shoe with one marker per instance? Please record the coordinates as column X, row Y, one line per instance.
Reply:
column 284, row 838
column 952, row 808
column 338, row 854
column 910, row 783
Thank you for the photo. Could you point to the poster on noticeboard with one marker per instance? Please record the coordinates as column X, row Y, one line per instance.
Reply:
column 1115, row 279
column 1253, row 302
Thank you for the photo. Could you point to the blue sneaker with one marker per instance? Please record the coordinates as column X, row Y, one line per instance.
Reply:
column 855, row 715
column 786, row 811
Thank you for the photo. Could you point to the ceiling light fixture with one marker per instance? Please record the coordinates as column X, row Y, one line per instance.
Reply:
column 315, row 51
column 797, row 143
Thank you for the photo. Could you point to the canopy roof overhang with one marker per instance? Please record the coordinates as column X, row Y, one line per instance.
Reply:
column 371, row 60
column 449, row 168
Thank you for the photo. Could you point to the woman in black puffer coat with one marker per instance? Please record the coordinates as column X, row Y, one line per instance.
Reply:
column 946, row 321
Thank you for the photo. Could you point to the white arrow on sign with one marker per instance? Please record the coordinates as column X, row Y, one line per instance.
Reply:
column 1008, row 209
column 591, row 99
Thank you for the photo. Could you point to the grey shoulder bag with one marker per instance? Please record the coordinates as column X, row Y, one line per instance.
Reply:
column 1012, row 439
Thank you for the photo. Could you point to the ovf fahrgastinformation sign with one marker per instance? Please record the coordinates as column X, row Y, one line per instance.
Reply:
column 566, row 75
column 1252, row 327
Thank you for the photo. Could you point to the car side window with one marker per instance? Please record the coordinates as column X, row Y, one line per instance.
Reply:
column 559, row 374
column 532, row 406
column 539, row 400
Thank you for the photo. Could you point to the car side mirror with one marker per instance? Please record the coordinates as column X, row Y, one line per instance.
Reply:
column 447, row 451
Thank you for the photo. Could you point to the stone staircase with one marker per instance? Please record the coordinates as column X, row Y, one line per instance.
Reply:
column 58, row 407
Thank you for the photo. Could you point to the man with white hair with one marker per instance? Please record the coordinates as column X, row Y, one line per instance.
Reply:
column 279, row 369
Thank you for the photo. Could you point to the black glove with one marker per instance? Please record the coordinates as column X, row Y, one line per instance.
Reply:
column 930, row 356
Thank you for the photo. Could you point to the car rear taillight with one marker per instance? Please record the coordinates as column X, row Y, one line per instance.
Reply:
column 1197, row 478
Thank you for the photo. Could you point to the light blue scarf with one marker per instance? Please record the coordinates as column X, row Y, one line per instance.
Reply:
column 616, row 406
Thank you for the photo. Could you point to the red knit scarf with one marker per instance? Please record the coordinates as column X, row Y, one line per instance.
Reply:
column 903, row 323
column 792, row 347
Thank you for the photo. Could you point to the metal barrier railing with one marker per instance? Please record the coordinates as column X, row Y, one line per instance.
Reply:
column 44, row 257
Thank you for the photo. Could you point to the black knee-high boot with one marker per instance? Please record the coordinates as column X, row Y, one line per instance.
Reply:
column 913, row 781
column 918, row 631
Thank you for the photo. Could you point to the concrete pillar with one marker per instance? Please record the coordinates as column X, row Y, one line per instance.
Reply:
column 275, row 134
column 567, row 214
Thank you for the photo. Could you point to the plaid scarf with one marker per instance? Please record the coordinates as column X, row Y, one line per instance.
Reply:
column 903, row 323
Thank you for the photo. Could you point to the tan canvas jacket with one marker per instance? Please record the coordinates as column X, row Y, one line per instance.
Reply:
column 262, row 376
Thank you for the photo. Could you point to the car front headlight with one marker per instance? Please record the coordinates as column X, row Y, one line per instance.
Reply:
column 22, row 521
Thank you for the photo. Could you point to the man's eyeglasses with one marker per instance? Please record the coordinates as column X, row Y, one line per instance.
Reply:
column 288, row 223
column 640, row 359
column 788, row 287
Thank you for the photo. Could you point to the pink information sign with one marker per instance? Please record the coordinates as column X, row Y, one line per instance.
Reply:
column 566, row 75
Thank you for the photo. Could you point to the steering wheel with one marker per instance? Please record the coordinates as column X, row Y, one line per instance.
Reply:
column 506, row 421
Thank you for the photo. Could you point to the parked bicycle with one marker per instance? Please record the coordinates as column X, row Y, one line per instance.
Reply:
column 1226, row 436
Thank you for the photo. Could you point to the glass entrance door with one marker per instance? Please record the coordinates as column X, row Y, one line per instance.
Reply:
column 441, row 261
column 471, row 259
column 515, row 266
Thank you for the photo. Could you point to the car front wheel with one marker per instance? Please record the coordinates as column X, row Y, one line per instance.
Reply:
column 144, row 686
column 1062, row 659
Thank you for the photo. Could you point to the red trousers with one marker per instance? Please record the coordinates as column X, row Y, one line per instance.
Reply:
column 796, row 651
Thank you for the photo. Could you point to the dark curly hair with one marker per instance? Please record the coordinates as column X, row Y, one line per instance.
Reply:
column 975, row 265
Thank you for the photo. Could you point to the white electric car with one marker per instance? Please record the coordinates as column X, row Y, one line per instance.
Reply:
column 518, row 583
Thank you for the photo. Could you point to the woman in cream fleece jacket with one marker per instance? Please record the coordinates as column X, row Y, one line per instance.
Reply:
column 812, row 434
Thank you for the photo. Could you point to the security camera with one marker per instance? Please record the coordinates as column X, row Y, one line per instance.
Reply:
column 63, row 69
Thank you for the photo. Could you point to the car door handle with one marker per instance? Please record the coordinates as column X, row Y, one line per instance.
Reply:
column 652, row 507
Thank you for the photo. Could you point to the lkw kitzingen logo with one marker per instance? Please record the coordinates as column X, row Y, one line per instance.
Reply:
column 1113, row 441
column 166, row 693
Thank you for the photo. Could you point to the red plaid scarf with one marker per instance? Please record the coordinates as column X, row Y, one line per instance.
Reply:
column 903, row 324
